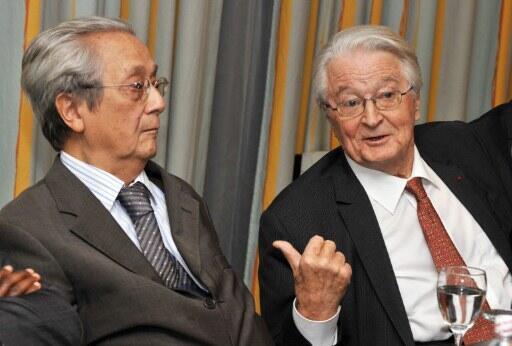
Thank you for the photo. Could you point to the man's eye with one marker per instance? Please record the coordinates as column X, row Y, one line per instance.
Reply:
column 138, row 85
column 351, row 103
column 387, row 95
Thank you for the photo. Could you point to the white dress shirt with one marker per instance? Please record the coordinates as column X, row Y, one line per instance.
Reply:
column 412, row 263
column 105, row 187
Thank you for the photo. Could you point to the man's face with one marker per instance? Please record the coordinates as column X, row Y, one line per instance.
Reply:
column 381, row 140
column 122, row 130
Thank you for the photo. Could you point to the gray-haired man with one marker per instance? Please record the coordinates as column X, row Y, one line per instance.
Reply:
column 129, row 245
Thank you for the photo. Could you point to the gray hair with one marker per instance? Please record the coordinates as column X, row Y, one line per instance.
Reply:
column 367, row 38
column 59, row 60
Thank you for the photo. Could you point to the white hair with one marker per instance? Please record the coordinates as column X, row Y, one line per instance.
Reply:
column 368, row 38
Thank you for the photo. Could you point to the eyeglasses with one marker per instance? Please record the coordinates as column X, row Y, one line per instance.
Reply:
column 139, row 91
column 351, row 107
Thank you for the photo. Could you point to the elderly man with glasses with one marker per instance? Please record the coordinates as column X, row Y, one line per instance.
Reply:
column 350, row 250
column 129, row 246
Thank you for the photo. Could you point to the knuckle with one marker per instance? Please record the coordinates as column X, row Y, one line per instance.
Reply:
column 323, row 261
column 307, row 262
column 334, row 270
column 317, row 237
column 330, row 243
column 15, row 291
column 8, row 280
column 340, row 256
column 347, row 269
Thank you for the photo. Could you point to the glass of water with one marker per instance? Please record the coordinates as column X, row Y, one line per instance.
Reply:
column 461, row 295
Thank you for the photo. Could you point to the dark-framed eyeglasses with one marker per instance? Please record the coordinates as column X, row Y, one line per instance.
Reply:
column 139, row 91
column 351, row 107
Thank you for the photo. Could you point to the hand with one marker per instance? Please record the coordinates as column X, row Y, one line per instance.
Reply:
column 321, row 276
column 16, row 283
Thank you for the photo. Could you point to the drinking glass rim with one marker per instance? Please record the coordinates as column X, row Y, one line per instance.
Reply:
column 471, row 270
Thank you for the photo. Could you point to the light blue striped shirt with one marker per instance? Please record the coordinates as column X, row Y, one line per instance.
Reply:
column 105, row 187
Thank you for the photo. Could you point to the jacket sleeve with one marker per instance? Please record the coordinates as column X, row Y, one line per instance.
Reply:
column 39, row 318
column 44, row 317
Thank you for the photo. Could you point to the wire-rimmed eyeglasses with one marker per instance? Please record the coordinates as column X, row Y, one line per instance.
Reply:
column 352, row 107
column 139, row 89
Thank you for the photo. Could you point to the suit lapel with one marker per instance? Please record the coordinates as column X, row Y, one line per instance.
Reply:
column 357, row 213
column 88, row 219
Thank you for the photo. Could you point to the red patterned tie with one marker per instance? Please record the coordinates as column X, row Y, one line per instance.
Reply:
column 444, row 253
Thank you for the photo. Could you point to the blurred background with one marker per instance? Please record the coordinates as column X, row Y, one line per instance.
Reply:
column 240, row 120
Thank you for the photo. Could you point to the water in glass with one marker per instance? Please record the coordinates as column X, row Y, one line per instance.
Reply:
column 460, row 305
column 461, row 295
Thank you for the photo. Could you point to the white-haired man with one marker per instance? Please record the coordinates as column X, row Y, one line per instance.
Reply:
column 350, row 250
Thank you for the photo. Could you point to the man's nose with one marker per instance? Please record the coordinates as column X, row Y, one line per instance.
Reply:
column 155, row 101
column 371, row 115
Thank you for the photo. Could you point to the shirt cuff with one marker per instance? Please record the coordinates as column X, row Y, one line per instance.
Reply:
column 318, row 333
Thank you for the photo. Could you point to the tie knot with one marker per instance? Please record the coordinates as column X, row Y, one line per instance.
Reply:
column 135, row 199
column 415, row 187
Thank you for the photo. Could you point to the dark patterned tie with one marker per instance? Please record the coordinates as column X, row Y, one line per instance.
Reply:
column 444, row 253
column 135, row 199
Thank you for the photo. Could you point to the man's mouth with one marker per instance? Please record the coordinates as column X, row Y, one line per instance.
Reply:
column 152, row 131
column 375, row 139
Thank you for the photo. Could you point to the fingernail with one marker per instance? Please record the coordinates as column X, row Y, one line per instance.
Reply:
column 37, row 284
column 8, row 267
column 30, row 270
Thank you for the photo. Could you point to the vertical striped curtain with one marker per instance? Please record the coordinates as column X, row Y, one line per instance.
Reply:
column 182, row 36
column 240, row 108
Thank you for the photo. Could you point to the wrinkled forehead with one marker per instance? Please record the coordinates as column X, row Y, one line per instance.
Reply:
column 364, row 71
column 122, row 55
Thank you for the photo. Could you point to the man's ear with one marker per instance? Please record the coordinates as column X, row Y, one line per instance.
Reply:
column 417, row 108
column 69, row 111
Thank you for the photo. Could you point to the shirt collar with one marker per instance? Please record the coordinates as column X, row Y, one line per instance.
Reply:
column 103, row 185
column 387, row 189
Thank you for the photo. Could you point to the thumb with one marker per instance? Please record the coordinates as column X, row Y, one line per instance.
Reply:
column 289, row 252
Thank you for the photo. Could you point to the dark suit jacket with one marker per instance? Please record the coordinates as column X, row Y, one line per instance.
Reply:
column 329, row 200
column 494, row 131
column 62, row 231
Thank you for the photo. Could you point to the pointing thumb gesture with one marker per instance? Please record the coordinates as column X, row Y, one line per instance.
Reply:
column 321, row 276
column 289, row 252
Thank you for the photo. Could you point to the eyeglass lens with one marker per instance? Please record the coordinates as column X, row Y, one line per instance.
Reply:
column 159, row 84
column 385, row 101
